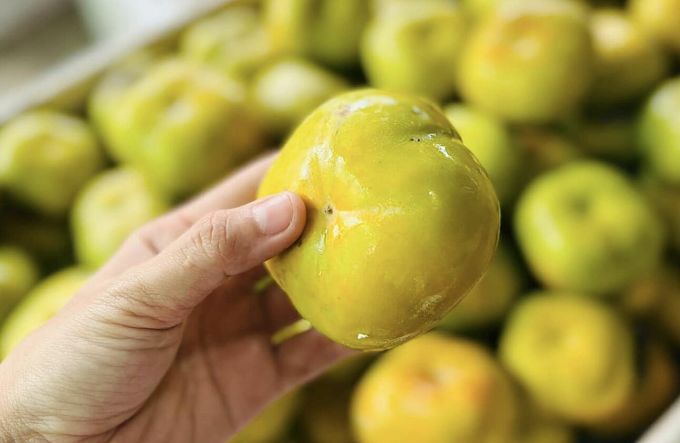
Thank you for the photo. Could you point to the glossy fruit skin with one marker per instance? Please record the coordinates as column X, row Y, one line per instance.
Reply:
column 572, row 353
column 415, row 47
column 272, row 423
column 628, row 63
column 389, row 187
column 110, row 207
column 435, row 389
column 659, row 132
column 528, row 62
column 18, row 274
column 40, row 305
column 286, row 91
column 570, row 227
column 658, row 387
column 659, row 18
column 491, row 142
column 489, row 301
column 45, row 157
column 233, row 41
column 185, row 126
column 328, row 31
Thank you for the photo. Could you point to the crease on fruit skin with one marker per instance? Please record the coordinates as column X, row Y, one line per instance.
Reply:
column 339, row 185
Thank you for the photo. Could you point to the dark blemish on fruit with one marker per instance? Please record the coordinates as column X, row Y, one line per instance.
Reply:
column 415, row 139
column 298, row 243
column 328, row 210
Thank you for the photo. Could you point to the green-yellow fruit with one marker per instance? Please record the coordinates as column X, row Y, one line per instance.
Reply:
column 488, row 302
column 491, row 142
column 659, row 18
column 529, row 61
column 184, row 126
column 435, row 389
column 286, row 91
column 389, row 187
column 325, row 30
column 232, row 41
column 573, row 354
column 108, row 210
column 585, row 227
column 415, row 48
column 106, row 95
column 659, row 132
column 40, row 305
column 18, row 274
column 45, row 157
column 272, row 423
column 627, row 62
column 656, row 390
column 325, row 413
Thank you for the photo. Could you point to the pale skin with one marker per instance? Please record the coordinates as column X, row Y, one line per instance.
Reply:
column 170, row 341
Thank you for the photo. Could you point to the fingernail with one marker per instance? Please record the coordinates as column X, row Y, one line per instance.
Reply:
column 273, row 214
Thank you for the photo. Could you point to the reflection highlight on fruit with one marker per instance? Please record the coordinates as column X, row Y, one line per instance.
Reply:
column 386, row 181
column 435, row 389
column 573, row 354
column 40, row 305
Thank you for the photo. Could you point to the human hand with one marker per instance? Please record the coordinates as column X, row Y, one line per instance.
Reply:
column 170, row 341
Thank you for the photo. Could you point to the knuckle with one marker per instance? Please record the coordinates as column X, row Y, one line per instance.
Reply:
column 219, row 237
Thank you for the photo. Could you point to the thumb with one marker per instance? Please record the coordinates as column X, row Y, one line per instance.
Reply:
column 166, row 288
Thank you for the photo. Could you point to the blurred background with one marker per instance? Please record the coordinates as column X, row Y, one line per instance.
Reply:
column 37, row 34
